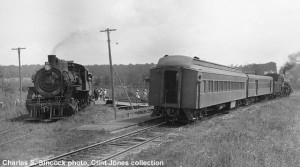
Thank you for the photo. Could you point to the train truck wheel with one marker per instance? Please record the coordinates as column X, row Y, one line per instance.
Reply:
column 200, row 115
column 171, row 112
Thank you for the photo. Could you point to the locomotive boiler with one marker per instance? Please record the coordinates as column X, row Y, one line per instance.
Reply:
column 61, row 88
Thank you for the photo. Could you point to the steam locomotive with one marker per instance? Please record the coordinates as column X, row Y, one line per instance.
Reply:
column 60, row 89
column 186, row 88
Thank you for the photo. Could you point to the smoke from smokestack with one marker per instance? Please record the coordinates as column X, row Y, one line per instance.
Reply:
column 293, row 59
column 74, row 38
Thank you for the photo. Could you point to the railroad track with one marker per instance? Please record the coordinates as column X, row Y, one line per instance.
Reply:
column 99, row 151
column 129, row 145
column 98, row 154
column 3, row 133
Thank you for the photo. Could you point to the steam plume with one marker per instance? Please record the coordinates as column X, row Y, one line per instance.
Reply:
column 293, row 59
column 73, row 38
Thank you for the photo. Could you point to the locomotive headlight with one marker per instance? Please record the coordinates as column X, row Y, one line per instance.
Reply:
column 47, row 67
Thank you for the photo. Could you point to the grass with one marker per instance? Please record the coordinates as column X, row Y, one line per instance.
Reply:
column 263, row 135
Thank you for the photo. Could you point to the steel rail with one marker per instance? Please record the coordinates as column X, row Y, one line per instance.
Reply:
column 149, row 140
column 123, row 129
column 135, row 146
column 130, row 148
column 19, row 127
column 97, row 144
column 18, row 138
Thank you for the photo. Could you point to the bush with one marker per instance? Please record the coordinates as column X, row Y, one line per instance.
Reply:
column 9, row 89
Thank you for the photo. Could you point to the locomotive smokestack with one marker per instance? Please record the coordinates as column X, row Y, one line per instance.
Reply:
column 52, row 59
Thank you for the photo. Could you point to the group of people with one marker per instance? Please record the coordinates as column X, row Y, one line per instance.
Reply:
column 100, row 94
column 144, row 98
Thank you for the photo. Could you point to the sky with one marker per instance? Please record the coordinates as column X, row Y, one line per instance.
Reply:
column 226, row 32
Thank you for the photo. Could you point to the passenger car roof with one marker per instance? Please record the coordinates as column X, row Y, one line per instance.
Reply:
column 199, row 65
column 251, row 76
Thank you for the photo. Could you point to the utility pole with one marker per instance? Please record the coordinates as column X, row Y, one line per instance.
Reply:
column 2, row 78
column 2, row 75
column 19, row 52
column 111, row 69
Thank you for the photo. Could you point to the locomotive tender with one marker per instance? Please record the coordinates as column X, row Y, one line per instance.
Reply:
column 186, row 88
column 60, row 89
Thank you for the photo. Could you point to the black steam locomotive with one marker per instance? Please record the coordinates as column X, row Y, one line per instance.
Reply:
column 60, row 89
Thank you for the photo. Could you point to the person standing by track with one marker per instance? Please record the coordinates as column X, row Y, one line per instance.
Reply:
column 100, row 92
column 104, row 94
column 145, row 96
column 96, row 93
column 137, row 96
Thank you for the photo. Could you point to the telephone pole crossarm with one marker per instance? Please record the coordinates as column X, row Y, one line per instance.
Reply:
column 107, row 30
